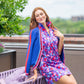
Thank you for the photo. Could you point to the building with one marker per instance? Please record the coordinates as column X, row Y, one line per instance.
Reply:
column 77, row 18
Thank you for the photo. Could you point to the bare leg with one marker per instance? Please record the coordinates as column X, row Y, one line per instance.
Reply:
column 66, row 79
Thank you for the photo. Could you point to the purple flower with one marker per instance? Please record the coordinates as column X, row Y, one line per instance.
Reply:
column 1, row 45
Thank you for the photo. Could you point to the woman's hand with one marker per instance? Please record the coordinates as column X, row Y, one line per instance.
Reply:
column 34, row 77
column 59, row 34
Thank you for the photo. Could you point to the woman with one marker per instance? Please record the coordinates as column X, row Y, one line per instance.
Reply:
column 46, row 50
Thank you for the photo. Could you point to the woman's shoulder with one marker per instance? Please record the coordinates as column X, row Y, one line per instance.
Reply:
column 35, row 31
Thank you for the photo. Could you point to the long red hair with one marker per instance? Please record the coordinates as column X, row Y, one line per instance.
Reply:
column 33, row 22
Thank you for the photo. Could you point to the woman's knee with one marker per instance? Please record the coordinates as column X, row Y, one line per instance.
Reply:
column 72, row 82
column 67, row 80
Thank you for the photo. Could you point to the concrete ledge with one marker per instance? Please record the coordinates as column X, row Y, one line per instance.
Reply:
column 74, row 40
column 21, row 39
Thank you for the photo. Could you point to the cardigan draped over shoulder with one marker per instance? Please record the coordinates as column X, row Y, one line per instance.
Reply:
column 34, row 50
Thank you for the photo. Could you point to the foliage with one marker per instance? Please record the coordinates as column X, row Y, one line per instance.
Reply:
column 68, row 26
column 26, row 24
column 9, row 21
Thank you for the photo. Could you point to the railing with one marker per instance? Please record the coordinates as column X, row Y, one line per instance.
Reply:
column 74, row 35
column 74, row 57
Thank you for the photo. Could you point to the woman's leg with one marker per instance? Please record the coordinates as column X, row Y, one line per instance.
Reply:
column 66, row 79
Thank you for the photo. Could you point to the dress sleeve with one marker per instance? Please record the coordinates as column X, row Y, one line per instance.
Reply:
column 31, row 41
column 62, row 56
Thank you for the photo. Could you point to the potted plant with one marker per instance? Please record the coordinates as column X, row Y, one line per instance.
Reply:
column 1, row 47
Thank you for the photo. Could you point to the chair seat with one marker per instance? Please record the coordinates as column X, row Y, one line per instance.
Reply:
column 7, row 75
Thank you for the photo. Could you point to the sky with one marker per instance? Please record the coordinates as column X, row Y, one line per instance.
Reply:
column 55, row 8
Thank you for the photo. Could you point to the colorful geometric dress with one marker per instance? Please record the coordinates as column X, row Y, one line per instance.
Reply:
column 51, row 66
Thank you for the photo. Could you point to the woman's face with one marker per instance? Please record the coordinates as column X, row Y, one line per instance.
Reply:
column 40, row 16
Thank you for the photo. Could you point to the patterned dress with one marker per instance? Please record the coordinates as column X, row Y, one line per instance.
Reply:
column 51, row 66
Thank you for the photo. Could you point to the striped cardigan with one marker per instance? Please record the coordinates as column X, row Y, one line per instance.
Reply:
column 34, row 50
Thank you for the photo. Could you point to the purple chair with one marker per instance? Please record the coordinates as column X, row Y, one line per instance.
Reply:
column 15, row 77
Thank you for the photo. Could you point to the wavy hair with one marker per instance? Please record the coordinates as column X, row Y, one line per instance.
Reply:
column 34, row 23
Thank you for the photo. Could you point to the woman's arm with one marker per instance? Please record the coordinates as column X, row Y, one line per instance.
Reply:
column 61, row 40
column 35, row 71
column 60, row 45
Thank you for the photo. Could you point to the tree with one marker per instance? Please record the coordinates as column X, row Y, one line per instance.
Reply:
column 9, row 21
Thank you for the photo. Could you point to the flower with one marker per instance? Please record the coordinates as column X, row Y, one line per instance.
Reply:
column 1, row 47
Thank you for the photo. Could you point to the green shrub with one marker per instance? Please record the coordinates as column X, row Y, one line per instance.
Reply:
column 9, row 21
